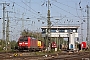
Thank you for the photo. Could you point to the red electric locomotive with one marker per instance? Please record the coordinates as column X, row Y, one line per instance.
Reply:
column 29, row 43
column 84, row 45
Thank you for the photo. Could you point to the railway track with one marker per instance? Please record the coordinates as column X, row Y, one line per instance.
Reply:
column 82, row 56
column 59, row 56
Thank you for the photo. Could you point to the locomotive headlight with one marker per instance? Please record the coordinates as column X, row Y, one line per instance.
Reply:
column 26, row 43
column 20, row 43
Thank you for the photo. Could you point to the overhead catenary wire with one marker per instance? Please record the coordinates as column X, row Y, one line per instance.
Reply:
column 64, row 4
column 23, row 7
column 78, row 14
column 29, row 7
column 70, row 6
column 66, row 11
column 34, row 12
column 26, row 9
column 63, row 10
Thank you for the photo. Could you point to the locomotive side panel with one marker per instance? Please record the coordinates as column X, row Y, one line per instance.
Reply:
column 33, row 43
column 29, row 39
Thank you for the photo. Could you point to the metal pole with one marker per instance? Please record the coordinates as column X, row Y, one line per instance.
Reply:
column 81, row 27
column 81, row 24
column 59, row 42
column 49, row 25
column 88, row 27
column 7, row 32
column 3, row 38
column 3, row 22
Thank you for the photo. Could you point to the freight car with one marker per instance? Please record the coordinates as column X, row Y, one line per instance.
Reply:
column 30, row 44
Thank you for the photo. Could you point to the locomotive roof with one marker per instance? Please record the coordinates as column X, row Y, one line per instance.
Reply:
column 27, row 36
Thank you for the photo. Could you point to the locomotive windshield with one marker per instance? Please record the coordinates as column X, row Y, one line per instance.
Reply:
column 23, row 39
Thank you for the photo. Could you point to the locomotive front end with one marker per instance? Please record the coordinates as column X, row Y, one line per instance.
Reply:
column 23, row 43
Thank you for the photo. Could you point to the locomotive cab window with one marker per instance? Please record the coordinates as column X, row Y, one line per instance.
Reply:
column 25, row 39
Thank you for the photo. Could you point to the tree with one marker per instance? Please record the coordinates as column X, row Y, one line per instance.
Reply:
column 13, row 44
column 36, row 35
column 2, row 44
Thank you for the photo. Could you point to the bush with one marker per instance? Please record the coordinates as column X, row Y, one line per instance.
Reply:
column 1, row 49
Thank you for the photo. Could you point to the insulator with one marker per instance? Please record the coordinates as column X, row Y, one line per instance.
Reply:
column 50, row 4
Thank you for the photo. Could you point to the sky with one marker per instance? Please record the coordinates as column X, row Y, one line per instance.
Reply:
column 36, row 11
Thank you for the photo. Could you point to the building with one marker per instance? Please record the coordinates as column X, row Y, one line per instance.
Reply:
column 70, row 32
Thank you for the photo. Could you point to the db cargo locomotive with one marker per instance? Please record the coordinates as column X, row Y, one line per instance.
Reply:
column 30, row 43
